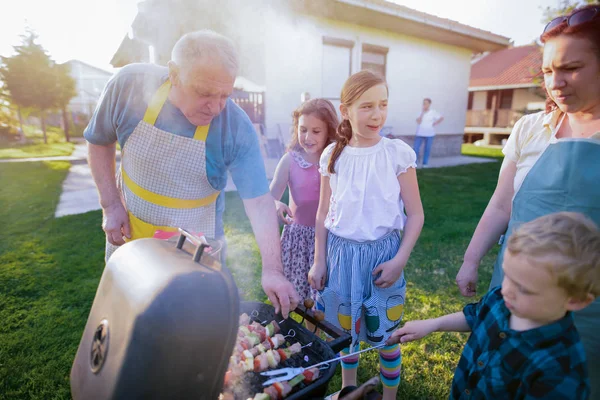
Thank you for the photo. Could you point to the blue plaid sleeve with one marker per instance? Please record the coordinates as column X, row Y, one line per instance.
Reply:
column 559, row 386
column 473, row 312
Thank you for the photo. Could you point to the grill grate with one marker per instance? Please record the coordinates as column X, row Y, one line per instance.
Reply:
column 251, row 382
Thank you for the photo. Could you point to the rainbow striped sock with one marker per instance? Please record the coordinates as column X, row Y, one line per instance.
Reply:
column 390, row 359
column 350, row 362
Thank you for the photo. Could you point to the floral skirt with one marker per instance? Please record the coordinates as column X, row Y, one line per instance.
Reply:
column 297, row 255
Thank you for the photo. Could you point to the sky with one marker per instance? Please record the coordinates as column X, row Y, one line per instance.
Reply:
column 91, row 30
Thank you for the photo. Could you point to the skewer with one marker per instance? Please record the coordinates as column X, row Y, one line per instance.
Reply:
column 255, row 314
column 291, row 333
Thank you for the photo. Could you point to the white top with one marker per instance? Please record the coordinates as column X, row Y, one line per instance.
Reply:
column 528, row 140
column 365, row 201
column 426, row 127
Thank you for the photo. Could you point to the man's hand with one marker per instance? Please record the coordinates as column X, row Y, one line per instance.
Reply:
column 263, row 218
column 280, row 292
column 390, row 273
column 115, row 223
column 413, row 330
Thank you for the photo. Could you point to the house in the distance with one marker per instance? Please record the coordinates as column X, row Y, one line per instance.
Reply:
column 504, row 86
column 90, row 82
column 289, row 47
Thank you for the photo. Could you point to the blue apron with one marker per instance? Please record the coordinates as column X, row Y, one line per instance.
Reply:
column 566, row 177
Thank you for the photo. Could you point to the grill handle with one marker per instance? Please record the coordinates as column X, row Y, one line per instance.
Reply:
column 341, row 339
column 196, row 241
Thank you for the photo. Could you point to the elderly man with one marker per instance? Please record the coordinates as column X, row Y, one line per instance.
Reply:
column 180, row 133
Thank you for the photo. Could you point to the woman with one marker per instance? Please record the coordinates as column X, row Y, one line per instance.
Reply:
column 552, row 159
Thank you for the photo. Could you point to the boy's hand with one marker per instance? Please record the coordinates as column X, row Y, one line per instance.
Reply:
column 317, row 275
column 412, row 330
column 390, row 273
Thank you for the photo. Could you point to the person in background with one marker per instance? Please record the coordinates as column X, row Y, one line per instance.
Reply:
column 426, row 123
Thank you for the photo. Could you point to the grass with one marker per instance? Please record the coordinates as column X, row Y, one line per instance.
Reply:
column 479, row 151
column 36, row 147
column 50, row 269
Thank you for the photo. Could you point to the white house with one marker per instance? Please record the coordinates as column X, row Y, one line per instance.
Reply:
column 295, row 46
column 89, row 81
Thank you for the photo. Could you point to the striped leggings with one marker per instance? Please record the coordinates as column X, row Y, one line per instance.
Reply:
column 390, row 359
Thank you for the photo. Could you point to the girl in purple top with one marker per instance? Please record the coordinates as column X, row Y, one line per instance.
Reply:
column 314, row 126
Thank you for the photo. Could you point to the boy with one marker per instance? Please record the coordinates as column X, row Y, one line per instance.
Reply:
column 524, row 343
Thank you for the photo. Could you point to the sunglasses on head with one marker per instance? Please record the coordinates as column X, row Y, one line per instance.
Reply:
column 579, row 17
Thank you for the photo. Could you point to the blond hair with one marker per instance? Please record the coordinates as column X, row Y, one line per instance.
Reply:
column 568, row 243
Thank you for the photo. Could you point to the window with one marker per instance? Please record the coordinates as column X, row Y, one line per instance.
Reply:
column 374, row 58
column 337, row 65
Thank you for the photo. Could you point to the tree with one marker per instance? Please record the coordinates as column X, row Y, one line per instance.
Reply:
column 565, row 7
column 15, row 72
column 34, row 80
column 65, row 90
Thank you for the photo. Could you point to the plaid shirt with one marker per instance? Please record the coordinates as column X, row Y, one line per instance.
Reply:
column 499, row 363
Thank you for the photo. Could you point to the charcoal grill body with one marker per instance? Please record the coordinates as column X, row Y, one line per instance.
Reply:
column 162, row 325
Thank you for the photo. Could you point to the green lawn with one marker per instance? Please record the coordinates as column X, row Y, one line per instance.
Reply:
column 50, row 269
column 479, row 151
column 36, row 147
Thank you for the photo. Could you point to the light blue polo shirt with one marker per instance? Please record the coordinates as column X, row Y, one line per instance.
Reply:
column 231, row 145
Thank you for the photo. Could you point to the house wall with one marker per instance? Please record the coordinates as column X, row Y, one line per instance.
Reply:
column 523, row 97
column 161, row 23
column 479, row 100
column 89, row 85
column 416, row 69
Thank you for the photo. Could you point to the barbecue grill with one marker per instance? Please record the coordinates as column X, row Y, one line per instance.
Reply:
column 164, row 322
column 319, row 351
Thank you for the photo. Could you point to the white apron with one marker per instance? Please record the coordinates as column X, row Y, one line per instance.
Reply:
column 163, row 179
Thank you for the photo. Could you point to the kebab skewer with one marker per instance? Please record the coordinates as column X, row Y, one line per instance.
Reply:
column 281, row 390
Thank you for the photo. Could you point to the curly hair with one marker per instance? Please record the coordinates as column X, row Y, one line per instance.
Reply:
column 320, row 108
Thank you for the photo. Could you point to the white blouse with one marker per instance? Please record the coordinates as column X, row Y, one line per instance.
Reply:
column 528, row 140
column 365, row 201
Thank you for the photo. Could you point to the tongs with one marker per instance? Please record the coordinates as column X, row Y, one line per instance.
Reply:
column 285, row 374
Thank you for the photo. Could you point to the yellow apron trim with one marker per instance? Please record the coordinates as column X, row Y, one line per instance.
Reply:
column 201, row 133
column 141, row 229
column 156, row 103
column 165, row 201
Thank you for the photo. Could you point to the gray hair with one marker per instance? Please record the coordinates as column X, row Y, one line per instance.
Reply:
column 205, row 47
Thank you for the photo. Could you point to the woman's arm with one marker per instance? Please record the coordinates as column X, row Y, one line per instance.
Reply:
column 492, row 225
